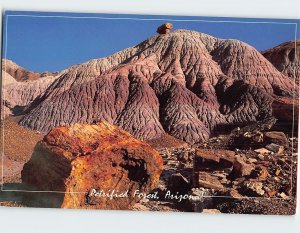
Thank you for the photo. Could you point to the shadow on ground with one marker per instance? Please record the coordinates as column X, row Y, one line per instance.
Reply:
column 18, row 194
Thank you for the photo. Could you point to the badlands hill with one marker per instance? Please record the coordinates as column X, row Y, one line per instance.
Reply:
column 21, row 74
column 19, row 91
column 285, row 57
column 185, row 83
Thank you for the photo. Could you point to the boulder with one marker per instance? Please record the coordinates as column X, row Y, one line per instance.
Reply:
column 212, row 160
column 276, row 137
column 206, row 180
column 241, row 168
column 164, row 28
column 261, row 173
column 94, row 166
column 275, row 148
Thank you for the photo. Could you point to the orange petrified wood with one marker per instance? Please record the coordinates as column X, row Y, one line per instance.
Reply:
column 164, row 28
column 98, row 166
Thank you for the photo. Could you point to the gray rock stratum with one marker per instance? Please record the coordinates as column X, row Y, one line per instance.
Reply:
column 185, row 83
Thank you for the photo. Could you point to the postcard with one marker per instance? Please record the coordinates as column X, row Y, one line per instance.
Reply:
column 149, row 113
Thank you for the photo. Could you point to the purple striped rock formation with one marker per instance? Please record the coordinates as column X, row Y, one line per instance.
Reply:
column 184, row 83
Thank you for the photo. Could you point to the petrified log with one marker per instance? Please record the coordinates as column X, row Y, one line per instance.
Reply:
column 97, row 166
column 276, row 137
column 215, row 160
column 286, row 110
column 205, row 180
column 165, row 28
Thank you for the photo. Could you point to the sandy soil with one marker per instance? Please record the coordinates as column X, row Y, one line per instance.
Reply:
column 17, row 148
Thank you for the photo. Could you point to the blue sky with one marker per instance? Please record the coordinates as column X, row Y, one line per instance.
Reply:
column 55, row 43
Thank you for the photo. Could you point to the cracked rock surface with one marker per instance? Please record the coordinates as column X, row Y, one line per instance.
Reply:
column 82, row 159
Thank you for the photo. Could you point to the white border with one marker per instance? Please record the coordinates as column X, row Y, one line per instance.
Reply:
column 149, row 19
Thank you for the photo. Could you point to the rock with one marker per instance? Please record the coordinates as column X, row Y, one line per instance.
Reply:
column 286, row 110
column 241, row 168
column 178, row 183
column 253, row 128
column 248, row 139
column 283, row 195
column 275, row 148
column 285, row 58
column 261, row 173
column 165, row 28
column 253, row 189
column 216, row 160
column 84, row 160
column 212, row 160
column 276, row 137
column 272, row 193
column 211, row 211
column 21, row 87
column 277, row 172
column 262, row 151
column 252, row 160
column 251, row 135
column 205, row 180
column 235, row 194
column 184, row 157
column 140, row 207
column 20, row 94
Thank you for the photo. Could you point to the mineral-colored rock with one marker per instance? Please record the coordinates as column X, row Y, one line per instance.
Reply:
column 276, row 137
column 211, row 160
column 275, row 148
column 262, row 151
column 165, row 28
column 241, row 168
column 85, row 160
column 261, row 173
column 253, row 189
column 286, row 110
column 205, row 180
column 214, row 160
column 285, row 57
